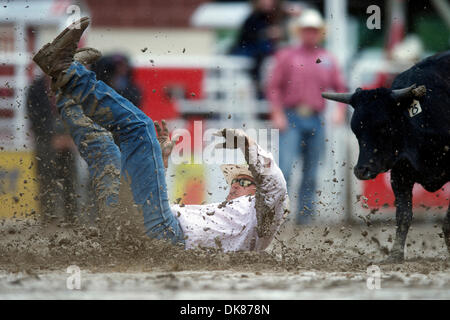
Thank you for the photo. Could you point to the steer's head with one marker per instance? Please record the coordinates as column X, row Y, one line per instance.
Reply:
column 375, row 122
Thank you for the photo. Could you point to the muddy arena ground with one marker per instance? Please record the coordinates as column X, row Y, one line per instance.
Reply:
column 313, row 262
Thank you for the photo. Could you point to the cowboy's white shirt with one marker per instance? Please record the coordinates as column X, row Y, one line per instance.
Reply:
column 233, row 225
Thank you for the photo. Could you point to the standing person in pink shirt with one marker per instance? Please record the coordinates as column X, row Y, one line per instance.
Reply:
column 299, row 75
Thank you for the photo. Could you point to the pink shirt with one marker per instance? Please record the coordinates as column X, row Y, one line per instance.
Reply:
column 298, row 77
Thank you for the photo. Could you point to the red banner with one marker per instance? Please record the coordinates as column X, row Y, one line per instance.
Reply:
column 379, row 193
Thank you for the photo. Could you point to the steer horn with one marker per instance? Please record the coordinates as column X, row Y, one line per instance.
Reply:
column 412, row 91
column 340, row 97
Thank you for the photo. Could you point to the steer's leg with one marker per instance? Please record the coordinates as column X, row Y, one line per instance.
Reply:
column 402, row 186
column 446, row 229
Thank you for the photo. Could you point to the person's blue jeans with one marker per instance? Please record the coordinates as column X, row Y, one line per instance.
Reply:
column 304, row 138
column 139, row 158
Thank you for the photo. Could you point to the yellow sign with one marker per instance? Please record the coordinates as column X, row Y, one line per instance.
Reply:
column 18, row 184
column 190, row 183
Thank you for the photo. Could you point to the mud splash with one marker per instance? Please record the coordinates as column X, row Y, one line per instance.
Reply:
column 120, row 245
column 30, row 245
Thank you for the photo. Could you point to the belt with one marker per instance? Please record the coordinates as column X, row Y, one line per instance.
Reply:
column 305, row 111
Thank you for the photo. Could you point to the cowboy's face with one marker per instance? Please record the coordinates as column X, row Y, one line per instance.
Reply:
column 242, row 185
column 310, row 36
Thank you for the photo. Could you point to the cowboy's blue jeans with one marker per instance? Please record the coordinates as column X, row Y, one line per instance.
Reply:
column 303, row 137
column 139, row 159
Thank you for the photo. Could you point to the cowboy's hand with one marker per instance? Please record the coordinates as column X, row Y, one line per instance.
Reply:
column 234, row 138
column 62, row 142
column 165, row 142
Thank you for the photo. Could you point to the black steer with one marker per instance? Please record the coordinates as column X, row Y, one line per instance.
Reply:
column 405, row 129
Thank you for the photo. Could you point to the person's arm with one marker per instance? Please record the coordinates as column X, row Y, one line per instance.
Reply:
column 271, row 190
column 274, row 93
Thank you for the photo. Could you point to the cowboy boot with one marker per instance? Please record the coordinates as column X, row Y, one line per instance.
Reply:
column 87, row 56
column 56, row 57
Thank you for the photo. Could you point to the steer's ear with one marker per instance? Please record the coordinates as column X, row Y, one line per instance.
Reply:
column 339, row 97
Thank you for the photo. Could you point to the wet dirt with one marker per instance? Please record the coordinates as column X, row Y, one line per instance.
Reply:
column 310, row 262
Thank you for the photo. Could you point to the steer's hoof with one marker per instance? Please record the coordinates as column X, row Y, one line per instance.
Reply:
column 394, row 258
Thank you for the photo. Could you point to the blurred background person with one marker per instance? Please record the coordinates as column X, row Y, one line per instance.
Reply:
column 261, row 33
column 55, row 153
column 402, row 56
column 116, row 72
column 295, row 83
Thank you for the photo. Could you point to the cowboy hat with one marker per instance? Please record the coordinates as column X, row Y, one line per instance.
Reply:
column 310, row 18
column 231, row 171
